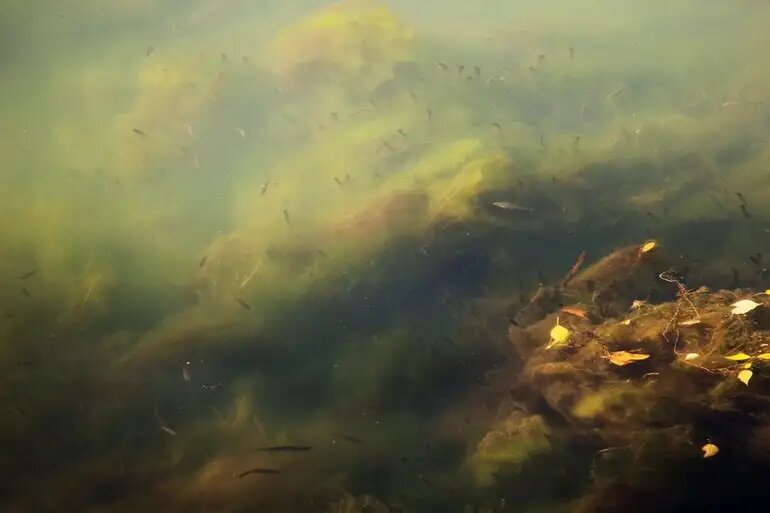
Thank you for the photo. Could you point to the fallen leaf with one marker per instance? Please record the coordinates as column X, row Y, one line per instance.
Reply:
column 559, row 335
column 690, row 356
column 744, row 306
column 767, row 292
column 746, row 365
column 622, row 358
column 744, row 376
column 691, row 322
column 577, row 312
column 709, row 450
column 648, row 246
column 627, row 322
column 764, row 356
column 738, row 357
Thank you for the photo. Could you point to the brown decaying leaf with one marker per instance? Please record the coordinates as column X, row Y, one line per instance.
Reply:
column 622, row 358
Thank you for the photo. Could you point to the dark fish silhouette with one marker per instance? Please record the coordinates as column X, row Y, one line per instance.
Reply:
column 28, row 274
column 285, row 448
column 257, row 470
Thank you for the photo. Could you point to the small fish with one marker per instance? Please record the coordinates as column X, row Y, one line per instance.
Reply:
column 139, row 132
column 349, row 438
column 169, row 430
column 162, row 424
column 571, row 52
column 389, row 146
column 477, row 70
column 334, row 116
column 756, row 259
column 742, row 198
column 224, row 57
column 339, row 182
column 541, row 58
column 25, row 291
column 542, row 141
column 430, row 114
column 507, row 205
column 256, row 470
column 442, row 65
column 263, row 188
column 186, row 372
column 615, row 93
column 189, row 129
column 245, row 305
column 149, row 51
column 203, row 261
column 284, row 448
column 744, row 211
column 401, row 132
column 577, row 140
column 499, row 128
column 286, row 216
column 245, row 59
column 28, row 274
column 321, row 252
column 460, row 69
column 241, row 132
column 213, row 388
column 651, row 216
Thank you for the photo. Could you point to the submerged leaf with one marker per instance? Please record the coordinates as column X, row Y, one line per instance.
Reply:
column 622, row 358
column 577, row 312
column 559, row 335
column 744, row 306
column 744, row 376
column 738, row 357
column 691, row 322
column 648, row 246
column 764, row 356
column 710, row 450
column 690, row 356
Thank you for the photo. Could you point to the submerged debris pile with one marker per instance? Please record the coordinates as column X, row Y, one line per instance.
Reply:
column 653, row 387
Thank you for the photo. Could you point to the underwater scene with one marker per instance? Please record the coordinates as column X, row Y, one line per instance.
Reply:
column 384, row 256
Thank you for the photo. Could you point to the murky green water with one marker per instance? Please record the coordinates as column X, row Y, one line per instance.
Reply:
column 308, row 226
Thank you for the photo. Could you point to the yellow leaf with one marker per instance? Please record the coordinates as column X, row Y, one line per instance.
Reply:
column 710, row 450
column 744, row 376
column 627, row 322
column 744, row 306
column 622, row 358
column 559, row 335
column 691, row 322
column 738, row 357
column 648, row 246
column 764, row 356
column 746, row 365
column 767, row 292
column 690, row 356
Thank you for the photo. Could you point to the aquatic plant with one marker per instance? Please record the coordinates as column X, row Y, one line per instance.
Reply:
column 353, row 44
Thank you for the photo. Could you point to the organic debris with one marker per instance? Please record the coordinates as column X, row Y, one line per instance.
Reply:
column 745, row 376
column 710, row 450
column 559, row 336
column 744, row 306
column 622, row 358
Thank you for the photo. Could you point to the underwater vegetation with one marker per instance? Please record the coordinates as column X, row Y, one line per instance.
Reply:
column 384, row 256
